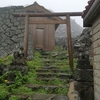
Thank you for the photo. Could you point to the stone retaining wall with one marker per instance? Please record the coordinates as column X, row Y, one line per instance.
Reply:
column 11, row 30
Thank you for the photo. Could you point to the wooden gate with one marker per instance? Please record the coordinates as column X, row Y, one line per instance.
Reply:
column 67, row 22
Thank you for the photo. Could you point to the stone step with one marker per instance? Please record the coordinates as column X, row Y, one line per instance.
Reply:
column 41, row 97
column 49, row 87
column 58, row 63
column 50, row 64
column 55, row 57
column 48, row 61
column 51, row 70
column 45, row 53
column 52, row 79
column 43, row 57
column 20, row 96
column 61, row 58
column 35, row 96
column 50, row 75
column 51, row 67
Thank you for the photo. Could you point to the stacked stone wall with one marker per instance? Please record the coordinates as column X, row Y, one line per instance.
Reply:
column 11, row 30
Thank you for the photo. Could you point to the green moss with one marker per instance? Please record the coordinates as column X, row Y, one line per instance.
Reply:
column 31, row 77
column 22, row 90
column 20, row 81
column 56, row 82
column 36, row 62
column 4, row 77
column 63, row 91
column 6, row 60
column 3, row 91
column 14, row 98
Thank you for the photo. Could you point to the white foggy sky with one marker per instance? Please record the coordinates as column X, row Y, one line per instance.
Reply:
column 54, row 5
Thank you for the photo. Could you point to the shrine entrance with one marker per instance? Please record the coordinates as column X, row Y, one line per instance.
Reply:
column 66, row 21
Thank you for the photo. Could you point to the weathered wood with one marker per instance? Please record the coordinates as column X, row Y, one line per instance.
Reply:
column 32, row 32
column 39, row 38
column 47, row 14
column 69, row 41
column 53, row 37
column 26, row 35
column 48, row 22
column 49, row 30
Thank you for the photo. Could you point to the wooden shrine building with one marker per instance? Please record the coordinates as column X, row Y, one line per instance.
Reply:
column 43, row 34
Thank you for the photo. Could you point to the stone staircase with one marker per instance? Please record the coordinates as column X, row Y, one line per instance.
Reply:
column 53, row 79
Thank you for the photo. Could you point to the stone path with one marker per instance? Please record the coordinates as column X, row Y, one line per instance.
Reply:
column 55, row 81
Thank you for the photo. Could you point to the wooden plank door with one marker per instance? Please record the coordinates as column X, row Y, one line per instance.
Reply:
column 39, row 38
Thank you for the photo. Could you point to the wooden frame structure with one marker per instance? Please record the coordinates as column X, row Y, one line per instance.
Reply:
column 67, row 22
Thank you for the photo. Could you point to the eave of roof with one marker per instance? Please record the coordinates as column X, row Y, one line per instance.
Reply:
column 35, row 3
column 90, row 2
column 91, row 13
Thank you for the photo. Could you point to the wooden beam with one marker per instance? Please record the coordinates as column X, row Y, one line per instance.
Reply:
column 48, row 22
column 26, row 35
column 69, row 41
column 47, row 14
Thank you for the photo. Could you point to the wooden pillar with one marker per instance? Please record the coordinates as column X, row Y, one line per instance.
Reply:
column 26, row 35
column 68, row 27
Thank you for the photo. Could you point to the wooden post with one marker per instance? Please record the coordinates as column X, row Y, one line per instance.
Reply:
column 68, row 27
column 26, row 35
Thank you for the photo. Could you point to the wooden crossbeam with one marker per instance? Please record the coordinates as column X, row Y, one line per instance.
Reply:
column 48, row 22
column 47, row 14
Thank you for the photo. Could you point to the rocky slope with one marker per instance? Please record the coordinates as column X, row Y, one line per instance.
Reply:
column 76, row 29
